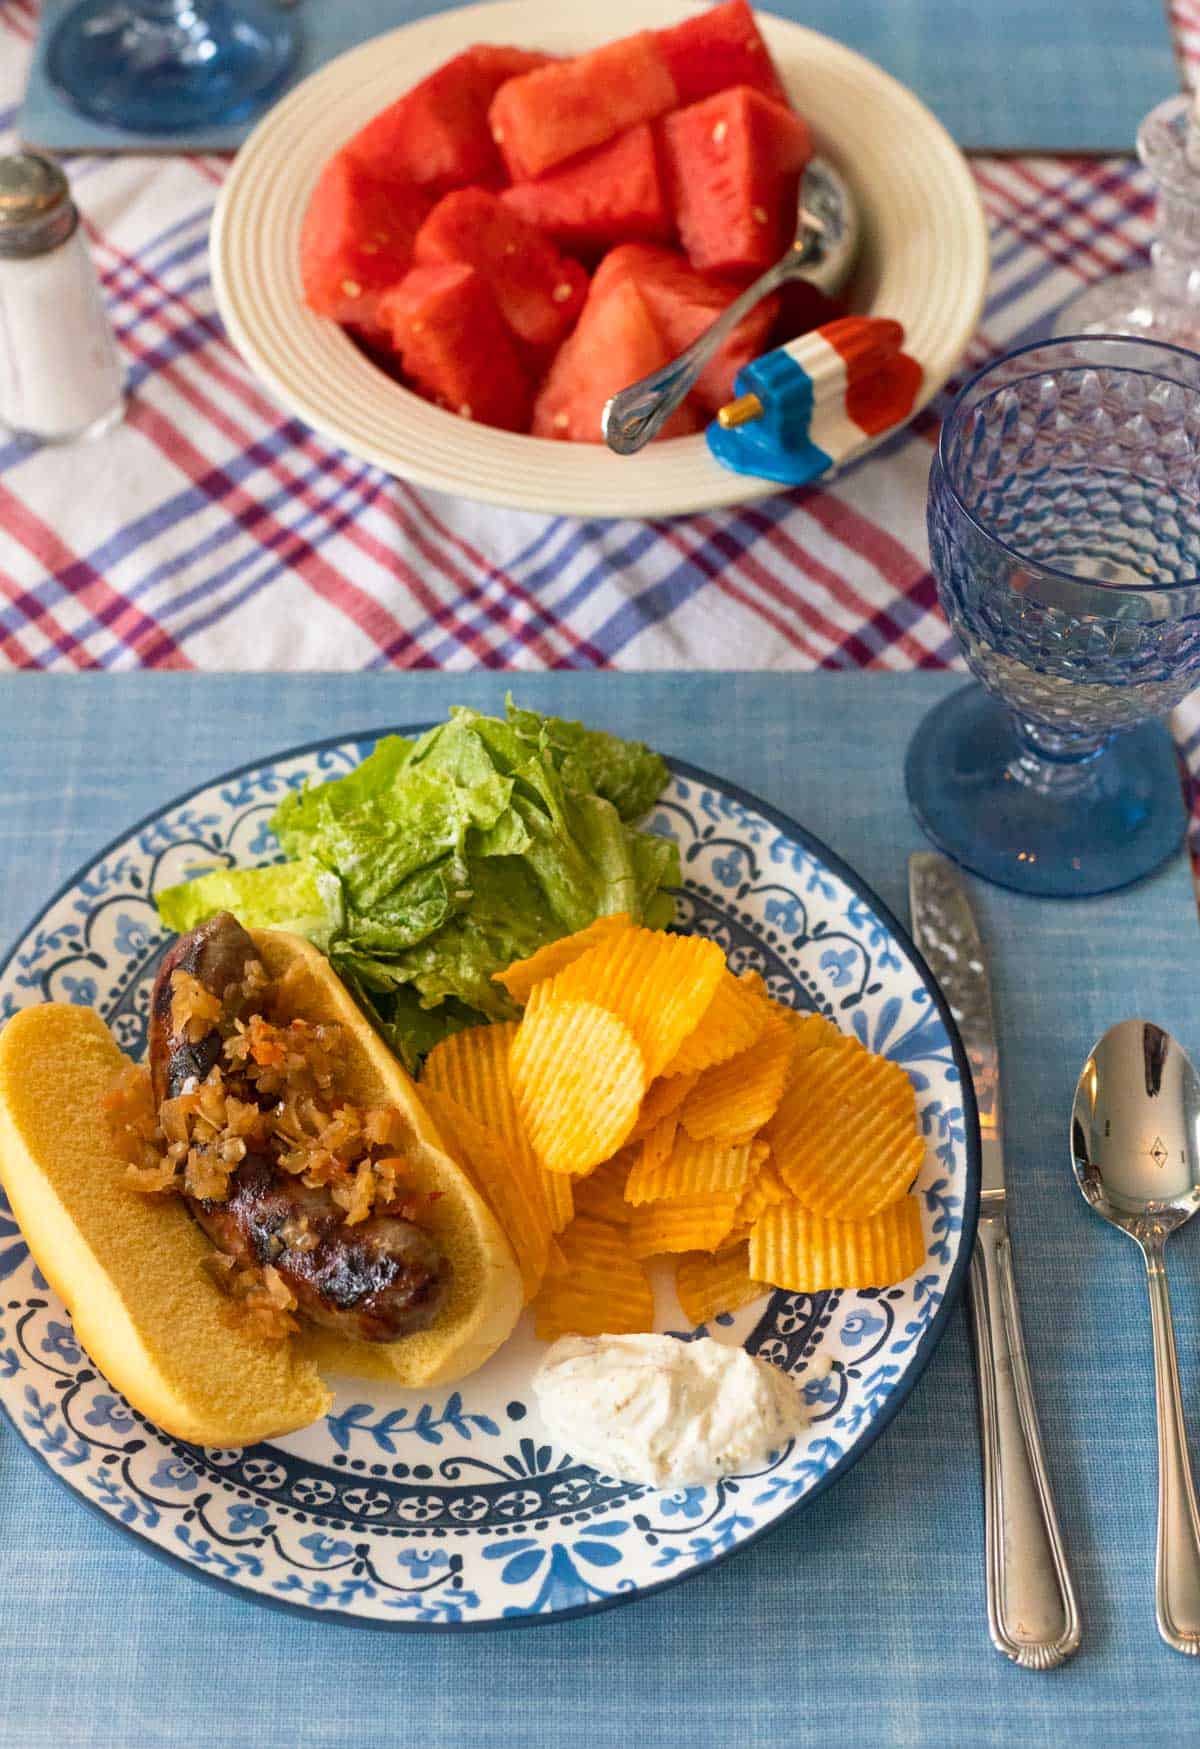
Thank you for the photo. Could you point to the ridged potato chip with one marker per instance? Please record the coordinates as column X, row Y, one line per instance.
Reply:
column 520, row 978
column 688, row 1168
column 732, row 1021
column 579, row 1079
column 686, row 1223
column 765, row 1188
column 665, row 1096
column 658, row 984
column 733, row 1100
column 845, row 1139
column 524, row 1219
column 472, row 1067
column 810, row 1032
column 603, row 1291
column 707, row 1283
column 560, row 1198
column 601, row 1195
column 795, row 1249
column 653, row 1155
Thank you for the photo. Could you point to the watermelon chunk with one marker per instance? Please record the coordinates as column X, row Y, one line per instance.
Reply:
column 615, row 343
column 732, row 163
column 455, row 346
column 539, row 291
column 357, row 240
column 544, row 117
column 717, row 49
column 437, row 134
column 607, row 196
column 684, row 304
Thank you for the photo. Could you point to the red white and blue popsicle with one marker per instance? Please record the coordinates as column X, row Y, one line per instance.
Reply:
column 813, row 404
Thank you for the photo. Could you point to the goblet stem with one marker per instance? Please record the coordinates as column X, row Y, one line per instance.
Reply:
column 1054, row 762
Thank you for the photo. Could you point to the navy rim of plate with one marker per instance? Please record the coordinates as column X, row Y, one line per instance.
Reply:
column 922, row 1354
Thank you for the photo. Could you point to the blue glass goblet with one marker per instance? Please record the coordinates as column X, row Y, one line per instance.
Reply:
column 1064, row 531
column 164, row 66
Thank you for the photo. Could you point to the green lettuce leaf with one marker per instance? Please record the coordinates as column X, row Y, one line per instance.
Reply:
column 298, row 896
column 626, row 773
column 436, row 862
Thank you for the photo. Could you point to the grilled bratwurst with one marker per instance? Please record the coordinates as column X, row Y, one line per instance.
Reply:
column 377, row 1279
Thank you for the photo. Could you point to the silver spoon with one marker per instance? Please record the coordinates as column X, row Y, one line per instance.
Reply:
column 1135, row 1146
column 827, row 234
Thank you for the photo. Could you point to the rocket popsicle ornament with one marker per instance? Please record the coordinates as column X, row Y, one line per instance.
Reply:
column 813, row 404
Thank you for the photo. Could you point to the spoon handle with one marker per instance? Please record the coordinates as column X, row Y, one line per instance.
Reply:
column 635, row 415
column 1177, row 1576
column 1032, row 1611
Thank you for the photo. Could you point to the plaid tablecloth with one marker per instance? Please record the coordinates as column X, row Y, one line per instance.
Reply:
column 213, row 531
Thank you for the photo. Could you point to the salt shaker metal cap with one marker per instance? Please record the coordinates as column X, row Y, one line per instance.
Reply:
column 36, row 209
column 60, row 376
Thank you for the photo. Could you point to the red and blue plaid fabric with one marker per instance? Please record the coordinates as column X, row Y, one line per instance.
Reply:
column 213, row 531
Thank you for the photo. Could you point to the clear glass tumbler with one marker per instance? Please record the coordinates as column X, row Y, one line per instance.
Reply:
column 1064, row 531
column 164, row 66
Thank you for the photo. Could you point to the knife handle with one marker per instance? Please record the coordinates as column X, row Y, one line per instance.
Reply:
column 1032, row 1613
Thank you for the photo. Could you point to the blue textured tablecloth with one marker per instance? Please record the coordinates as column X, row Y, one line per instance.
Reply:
column 1003, row 75
column 861, row 1622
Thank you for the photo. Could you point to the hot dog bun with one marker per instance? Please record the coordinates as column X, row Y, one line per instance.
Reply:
column 130, row 1268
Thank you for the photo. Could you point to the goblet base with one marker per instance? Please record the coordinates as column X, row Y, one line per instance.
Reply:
column 160, row 69
column 1090, row 828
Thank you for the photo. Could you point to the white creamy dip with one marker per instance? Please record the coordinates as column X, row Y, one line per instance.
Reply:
column 654, row 1409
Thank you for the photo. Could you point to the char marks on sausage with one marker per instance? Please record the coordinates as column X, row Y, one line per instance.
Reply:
column 379, row 1279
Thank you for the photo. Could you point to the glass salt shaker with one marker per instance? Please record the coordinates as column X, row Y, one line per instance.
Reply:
column 60, row 376
column 1162, row 301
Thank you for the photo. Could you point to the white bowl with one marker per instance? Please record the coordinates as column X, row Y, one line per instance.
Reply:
column 924, row 259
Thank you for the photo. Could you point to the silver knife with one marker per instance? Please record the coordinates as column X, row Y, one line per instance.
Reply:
column 1032, row 1613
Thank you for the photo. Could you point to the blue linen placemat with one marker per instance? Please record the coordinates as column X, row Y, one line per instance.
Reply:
column 859, row 1622
column 1003, row 75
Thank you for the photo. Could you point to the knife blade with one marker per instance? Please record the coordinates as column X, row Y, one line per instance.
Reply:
column 948, row 940
column 1033, row 1617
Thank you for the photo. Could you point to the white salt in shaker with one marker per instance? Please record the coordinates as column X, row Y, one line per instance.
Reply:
column 60, row 377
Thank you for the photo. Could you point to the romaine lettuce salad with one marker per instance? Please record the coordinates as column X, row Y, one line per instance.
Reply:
column 437, row 862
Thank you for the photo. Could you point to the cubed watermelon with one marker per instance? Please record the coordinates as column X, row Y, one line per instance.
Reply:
column 717, row 49
column 607, row 196
column 540, row 292
column 544, row 117
column 684, row 304
column 615, row 343
column 455, row 346
column 438, row 134
column 733, row 162
column 357, row 240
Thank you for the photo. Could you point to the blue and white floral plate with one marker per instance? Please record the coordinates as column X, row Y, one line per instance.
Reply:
column 455, row 1510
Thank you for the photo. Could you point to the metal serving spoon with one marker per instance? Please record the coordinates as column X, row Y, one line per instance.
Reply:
column 827, row 234
column 1135, row 1146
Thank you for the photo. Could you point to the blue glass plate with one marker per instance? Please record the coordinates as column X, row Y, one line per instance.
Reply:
column 454, row 1510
